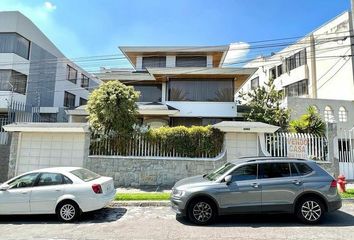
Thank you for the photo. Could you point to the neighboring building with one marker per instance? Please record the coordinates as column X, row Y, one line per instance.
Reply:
column 318, row 69
column 181, row 85
column 34, row 74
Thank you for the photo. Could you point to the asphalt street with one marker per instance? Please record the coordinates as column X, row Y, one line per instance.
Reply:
column 160, row 223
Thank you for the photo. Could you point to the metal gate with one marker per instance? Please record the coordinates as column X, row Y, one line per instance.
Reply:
column 346, row 153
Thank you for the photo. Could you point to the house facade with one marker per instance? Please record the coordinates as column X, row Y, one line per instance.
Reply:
column 181, row 85
column 34, row 74
column 315, row 71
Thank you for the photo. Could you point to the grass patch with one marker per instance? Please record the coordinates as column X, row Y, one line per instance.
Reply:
column 348, row 194
column 153, row 196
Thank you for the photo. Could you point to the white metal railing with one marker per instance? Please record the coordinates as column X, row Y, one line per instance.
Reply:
column 301, row 145
column 346, row 146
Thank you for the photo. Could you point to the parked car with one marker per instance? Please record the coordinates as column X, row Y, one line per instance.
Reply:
column 65, row 191
column 258, row 185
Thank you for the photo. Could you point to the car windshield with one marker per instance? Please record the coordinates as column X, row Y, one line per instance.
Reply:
column 85, row 175
column 219, row 172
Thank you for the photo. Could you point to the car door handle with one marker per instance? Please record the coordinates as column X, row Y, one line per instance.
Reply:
column 57, row 190
column 255, row 185
column 24, row 192
column 296, row 182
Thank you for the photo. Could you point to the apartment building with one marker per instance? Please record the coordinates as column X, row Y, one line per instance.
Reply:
column 181, row 85
column 34, row 74
column 315, row 71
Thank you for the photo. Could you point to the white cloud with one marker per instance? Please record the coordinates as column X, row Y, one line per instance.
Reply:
column 50, row 6
column 237, row 52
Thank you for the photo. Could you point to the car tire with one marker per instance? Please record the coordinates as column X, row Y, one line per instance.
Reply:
column 310, row 210
column 68, row 211
column 202, row 211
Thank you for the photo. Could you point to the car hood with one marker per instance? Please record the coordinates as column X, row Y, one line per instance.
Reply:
column 192, row 181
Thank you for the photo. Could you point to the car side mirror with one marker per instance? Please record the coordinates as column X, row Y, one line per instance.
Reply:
column 228, row 179
column 4, row 187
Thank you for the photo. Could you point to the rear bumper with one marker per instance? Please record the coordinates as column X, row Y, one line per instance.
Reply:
column 97, row 202
column 335, row 205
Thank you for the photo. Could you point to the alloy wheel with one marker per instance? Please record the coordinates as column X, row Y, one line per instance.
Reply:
column 202, row 212
column 67, row 212
column 311, row 210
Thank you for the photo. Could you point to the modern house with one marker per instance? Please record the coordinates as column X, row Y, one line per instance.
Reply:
column 37, row 82
column 181, row 85
column 315, row 71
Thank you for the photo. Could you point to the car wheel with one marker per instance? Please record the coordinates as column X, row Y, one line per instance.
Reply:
column 310, row 210
column 68, row 211
column 202, row 211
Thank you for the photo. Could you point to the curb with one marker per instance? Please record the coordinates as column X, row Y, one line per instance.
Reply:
column 141, row 203
column 348, row 200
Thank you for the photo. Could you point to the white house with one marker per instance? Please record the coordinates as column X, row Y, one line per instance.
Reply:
column 34, row 73
column 315, row 71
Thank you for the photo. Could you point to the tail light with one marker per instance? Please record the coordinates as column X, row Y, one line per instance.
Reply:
column 97, row 188
column 334, row 183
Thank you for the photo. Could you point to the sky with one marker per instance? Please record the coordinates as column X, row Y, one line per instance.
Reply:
column 87, row 28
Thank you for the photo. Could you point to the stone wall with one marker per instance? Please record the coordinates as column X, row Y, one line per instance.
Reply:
column 4, row 160
column 13, row 154
column 144, row 171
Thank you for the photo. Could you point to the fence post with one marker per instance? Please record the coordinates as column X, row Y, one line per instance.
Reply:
column 333, row 147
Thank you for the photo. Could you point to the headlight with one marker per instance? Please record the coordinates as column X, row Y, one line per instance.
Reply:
column 177, row 193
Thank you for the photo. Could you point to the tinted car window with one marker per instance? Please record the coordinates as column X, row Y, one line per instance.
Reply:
column 247, row 172
column 85, row 175
column 24, row 181
column 294, row 171
column 303, row 168
column 49, row 179
column 275, row 170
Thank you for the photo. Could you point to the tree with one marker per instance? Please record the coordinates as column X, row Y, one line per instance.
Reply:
column 265, row 105
column 310, row 122
column 112, row 108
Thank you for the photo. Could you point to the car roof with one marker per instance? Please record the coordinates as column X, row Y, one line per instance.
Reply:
column 56, row 169
column 264, row 159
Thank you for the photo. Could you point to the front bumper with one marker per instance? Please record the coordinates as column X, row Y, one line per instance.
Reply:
column 178, row 206
column 335, row 205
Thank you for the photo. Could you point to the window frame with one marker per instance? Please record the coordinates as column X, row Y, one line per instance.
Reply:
column 261, row 170
column 83, row 78
column 68, row 69
column 66, row 101
column 63, row 181
column 245, row 165
column 161, row 63
column 342, row 114
column 256, row 79
column 24, row 175
column 197, row 59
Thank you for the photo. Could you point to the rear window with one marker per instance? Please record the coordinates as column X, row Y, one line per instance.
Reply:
column 303, row 168
column 85, row 175
column 275, row 170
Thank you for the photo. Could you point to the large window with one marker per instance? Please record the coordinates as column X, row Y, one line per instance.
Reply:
column 255, row 83
column 297, row 89
column 273, row 73
column 202, row 90
column 342, row 114
column 149, row 92
column 191, row 61
column 83, row 101
column 11, row 80
column 85, row 81
column 274, row 170
column 155, row 62
column 328, row 114
column 279, row 70
column 296, row 60
column 69, row 100
column 243, row 173
column 14, row 43
column 71, row 74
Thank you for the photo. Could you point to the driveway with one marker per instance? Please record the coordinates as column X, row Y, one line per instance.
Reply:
column 161, row 223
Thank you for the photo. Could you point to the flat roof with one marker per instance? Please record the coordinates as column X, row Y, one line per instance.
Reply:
column 240, row 126
column 174, row 49
column 201, row 71
column 47, row 127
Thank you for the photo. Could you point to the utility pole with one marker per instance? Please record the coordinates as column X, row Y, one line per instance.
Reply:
column 351, row 34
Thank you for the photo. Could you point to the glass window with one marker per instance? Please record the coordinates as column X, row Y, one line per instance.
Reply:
column 48, row 117
column 71, row 74
column 83, row 101
column 191, row 61
column 328, row 114
column 303, row 168
column 85, row 175
column 293, row 169
column 154, row 62
column 219, row 172
column 279, row 70
column 85, row 81
column 342, row 114
column 273, row 73
column 247, row 172
column 49, row 179
column 13, row 80
column 203, row 90
column 27, row 180
column 296, row 60
column 69, row 99
column 275, row 170
column 297, row 89
column 14, row 43
column 255, row 83
column 149, row 92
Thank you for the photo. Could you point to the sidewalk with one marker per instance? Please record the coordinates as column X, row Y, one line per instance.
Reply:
column 144, row 190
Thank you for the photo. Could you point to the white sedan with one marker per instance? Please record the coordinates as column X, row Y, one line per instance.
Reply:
column 65, row 191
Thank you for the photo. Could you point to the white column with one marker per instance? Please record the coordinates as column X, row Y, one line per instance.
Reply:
column 139, row 63
column 170, row 61
column 209, row 61
column 163, row 97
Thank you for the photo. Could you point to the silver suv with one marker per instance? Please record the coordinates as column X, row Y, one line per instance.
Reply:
column 258, row 185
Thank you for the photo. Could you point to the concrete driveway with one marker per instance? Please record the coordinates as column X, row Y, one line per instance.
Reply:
column 161, row 223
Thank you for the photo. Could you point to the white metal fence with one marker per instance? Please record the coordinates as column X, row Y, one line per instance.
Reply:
column 299, row 145
column 346, row 153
